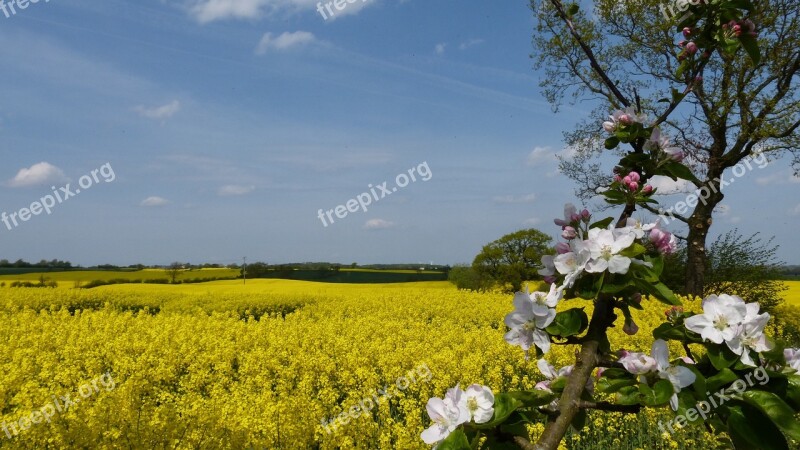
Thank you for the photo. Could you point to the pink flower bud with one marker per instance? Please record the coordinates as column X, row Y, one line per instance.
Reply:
column 656, row 235
column 633, row 186
column 691, row 47
column 647, row 189
column 562, row 247
column 625, row 119
column 550, row 279
column 737, row 30
column 698, row 79
column 681, row 44
column 600, row 371
column 585, row 214
column 569, row 233
column 687, row 32
column 575, row 217
column 630, row 328
column 627, row 180
column 617, row 179
column 634, row 176
column 707, row 54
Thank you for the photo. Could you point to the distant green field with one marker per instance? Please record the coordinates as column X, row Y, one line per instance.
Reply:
column 67, row 279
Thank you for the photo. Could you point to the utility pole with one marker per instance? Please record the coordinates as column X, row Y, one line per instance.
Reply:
column 244, row 270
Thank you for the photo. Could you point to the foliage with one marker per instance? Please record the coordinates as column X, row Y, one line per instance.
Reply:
column 512, row 259
column 467, row 278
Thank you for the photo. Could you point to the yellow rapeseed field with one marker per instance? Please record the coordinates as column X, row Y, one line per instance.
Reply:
column 221, row 365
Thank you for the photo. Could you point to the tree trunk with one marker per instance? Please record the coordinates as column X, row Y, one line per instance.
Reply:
column 699, row 223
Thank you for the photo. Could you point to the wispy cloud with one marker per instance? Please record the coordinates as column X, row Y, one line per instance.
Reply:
column 234, row 190
column 154, row 201
column 440, row 48
column 160, row 112
column 38, row 174
column 284, row 41
column 469, row 43
column 378, row 224
column 205, row 11
column 529, row 198
column 540, row 155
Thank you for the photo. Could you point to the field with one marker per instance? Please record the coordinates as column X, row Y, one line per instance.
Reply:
column 266, row 364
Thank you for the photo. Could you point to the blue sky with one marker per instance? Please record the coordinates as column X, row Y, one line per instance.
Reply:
column 228, row 124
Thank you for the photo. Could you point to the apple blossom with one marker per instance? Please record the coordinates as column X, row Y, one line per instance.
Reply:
column 604, row 247
column 569, row 233
column 720, row 319
column 679, row 376
column 447, row 414
column 569, row 211
column 792, row 356
column 638, row 363
column 528, row 320
column 479, row 403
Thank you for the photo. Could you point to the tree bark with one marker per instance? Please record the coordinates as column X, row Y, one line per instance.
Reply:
column 699, row 224
column 586, row 361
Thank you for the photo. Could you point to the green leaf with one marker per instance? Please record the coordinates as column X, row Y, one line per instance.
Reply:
column 750, row 45
column 629, row 395
column 532, row 399
column 682, row 68
column 612, row 143
column 602, row 223
column 680, row 171
column 504, row 406
column 579, row 421
column 658, row 290
column 669, row 332
column 457, row 440
column 658, row 395
column 721, row 356
column 633, row 251
column 724, row 377
column 610, row 386
column 569, row 323
column 776, row 409
column 573, row 9
column 750, row 429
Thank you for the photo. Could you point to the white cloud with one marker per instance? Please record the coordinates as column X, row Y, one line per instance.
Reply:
column 469, row 43
column 378, row 224
column 440, row 48
column 284, row 41
column 154, row 201
column 532, row 222
column 529, row 198
column 205, row 11
column 160, row 112
column 782, row 177
column 233, row 189
column 38, row 174
column 666, row 186
column 540, row 155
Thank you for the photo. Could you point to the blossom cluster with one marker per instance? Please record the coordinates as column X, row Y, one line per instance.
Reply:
column 658, row 363
column 728, row 319
column 456, row 408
